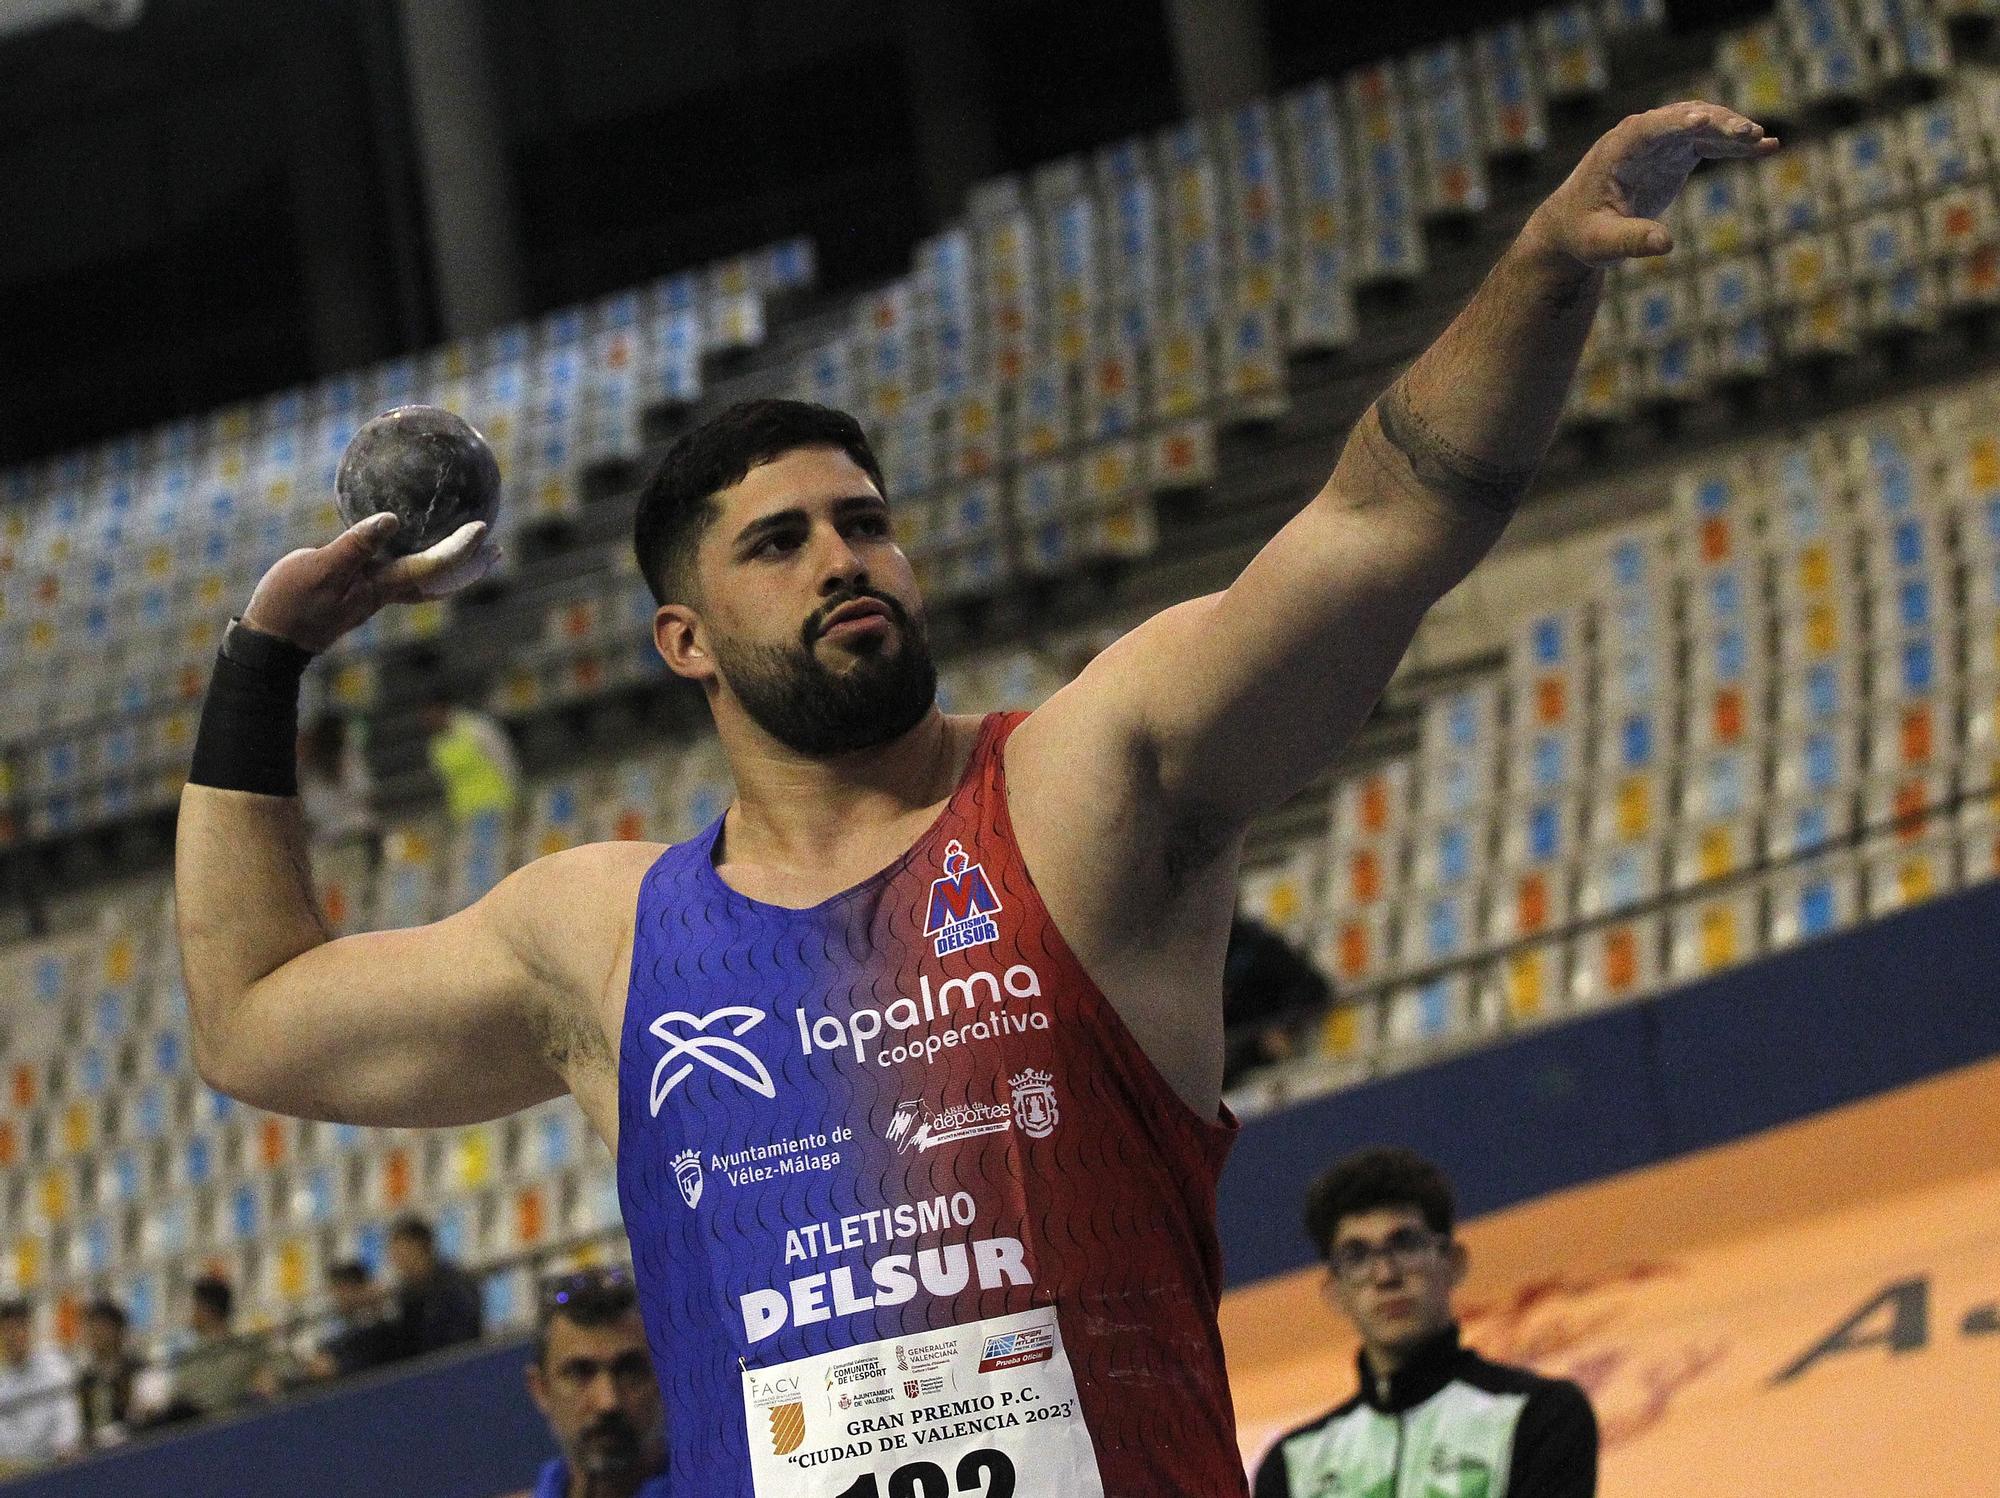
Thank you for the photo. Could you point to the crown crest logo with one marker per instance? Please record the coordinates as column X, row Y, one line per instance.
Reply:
column 1036, row 1108
column 688, row 1176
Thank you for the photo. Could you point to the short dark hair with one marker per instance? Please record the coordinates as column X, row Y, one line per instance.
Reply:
column 676, row 505
column 214, row 1292
column 106, row 1309
column 13, row 1308
column 1372, row 1179
column 415, row 1230
column 349, row 1272
column 591, row 1297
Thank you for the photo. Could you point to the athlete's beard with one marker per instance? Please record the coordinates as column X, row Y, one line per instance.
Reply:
column 815, row 711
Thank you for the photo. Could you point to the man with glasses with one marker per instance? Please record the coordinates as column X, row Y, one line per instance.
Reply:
column 593, row 1379
column 1431, row 1414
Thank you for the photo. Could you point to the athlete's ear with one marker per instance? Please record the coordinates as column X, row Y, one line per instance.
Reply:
column 682, row 640
column 538, row 1388
column 1458, row 1262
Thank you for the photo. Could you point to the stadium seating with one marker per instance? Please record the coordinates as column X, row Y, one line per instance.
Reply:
column 127, row 558
column 1883, row 227
column 1769, row 720
column 1776, row 714
column 1068, row 350
column 1074, row 346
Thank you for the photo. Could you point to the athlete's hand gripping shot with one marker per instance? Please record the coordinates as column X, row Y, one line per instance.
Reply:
column 911, row 1061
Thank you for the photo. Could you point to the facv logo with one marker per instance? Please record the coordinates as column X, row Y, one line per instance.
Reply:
column 714, row 1051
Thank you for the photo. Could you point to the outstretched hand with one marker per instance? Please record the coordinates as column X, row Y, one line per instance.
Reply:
column 315, row 595
column 1608, row 208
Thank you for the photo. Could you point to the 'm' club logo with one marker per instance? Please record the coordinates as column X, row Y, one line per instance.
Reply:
column 962, row 904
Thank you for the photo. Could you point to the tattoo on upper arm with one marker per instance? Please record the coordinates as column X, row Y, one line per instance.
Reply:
column 1440, row 466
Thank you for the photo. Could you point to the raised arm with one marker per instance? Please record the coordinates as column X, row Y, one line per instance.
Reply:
column 1233, row 702
column 441, row 1024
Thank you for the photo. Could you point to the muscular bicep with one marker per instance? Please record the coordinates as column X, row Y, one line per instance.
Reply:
column 448, row 1023
column 1242, row 697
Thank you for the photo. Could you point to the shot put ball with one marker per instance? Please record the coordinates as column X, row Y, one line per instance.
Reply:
column 430, row 467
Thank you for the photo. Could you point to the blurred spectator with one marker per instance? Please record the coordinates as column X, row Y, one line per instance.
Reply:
column 473, row 759
column 215, row 1372
column 105, row 1377
column 363, row 1336
column 592, row 1378
column 1383, row 1222
column 38, row 1415
column 437, row 1302
column 334, row 789
column 359, row 1335
column 1267, row 987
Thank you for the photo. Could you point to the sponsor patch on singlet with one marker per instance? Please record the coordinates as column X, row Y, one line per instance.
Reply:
column 987, row 1408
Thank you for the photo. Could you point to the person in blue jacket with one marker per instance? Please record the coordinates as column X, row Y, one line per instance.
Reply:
column 592, row 1378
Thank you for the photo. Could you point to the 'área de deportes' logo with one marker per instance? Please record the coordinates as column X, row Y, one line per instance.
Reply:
column 962, row 904
column 914, row 1127
column 732, row 1058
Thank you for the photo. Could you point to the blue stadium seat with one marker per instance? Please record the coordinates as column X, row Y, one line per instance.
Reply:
column 1453, row 167
column 1513, row 115
column 1322, row 306
column 1135, row 262
column 1570, row 52
column 1194, row 241
column 1073, row 280
column 1422, row 1017
column 1389, row 244
column 1832, row 60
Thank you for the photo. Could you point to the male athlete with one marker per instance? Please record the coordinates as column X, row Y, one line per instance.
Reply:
column 911, row 1062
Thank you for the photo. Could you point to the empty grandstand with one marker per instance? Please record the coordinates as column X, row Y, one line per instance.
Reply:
column 1729, row 694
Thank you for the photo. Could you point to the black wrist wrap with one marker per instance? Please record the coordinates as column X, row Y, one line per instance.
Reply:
column 248, row 739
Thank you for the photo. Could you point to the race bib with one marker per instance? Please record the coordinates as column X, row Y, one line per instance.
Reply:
column 987, row 1408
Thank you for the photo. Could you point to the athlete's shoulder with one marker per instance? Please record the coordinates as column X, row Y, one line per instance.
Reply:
column 569, row 916
column 568, row 897
column 1071, row 741
column 589, row 868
